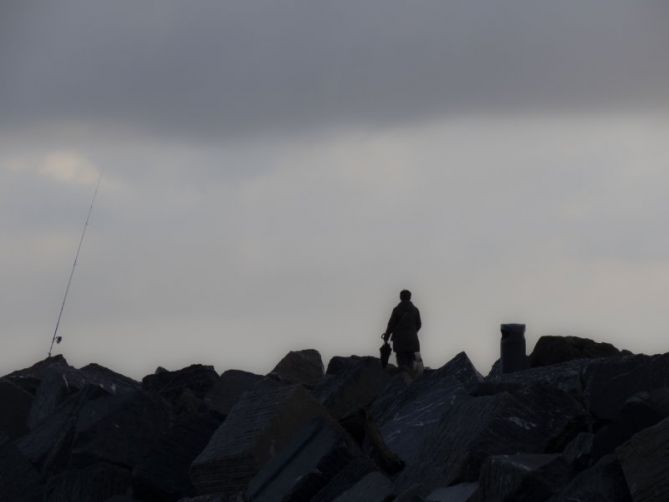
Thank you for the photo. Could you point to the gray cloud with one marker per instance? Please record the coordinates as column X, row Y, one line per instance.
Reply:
column 238, row 67
column 277, row 171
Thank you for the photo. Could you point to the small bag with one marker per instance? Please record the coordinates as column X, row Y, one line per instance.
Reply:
column 385, row 352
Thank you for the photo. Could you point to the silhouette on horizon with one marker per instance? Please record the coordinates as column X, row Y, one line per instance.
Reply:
column 402, row 330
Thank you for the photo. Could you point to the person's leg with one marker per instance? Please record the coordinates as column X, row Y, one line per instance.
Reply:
column 405, row 361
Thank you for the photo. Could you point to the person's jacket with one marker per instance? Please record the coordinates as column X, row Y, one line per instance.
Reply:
column 403, row 327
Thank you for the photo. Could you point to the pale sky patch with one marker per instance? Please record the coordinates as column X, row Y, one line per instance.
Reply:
column 61, row 166
column 69, row 167
column 544, row 219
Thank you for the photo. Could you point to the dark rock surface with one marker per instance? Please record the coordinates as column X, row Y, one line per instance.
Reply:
column 560, row 349
column 612, row 381
column 462, row 369
column 355, row 383
column 19, row 480
column 312, row 458
column 259, row 426
column 579, row 452
column 639, row 412
column 302, row 366
column 204, row 498
column 415, row 415
column 190, row 383
column 30, row 378
column 57, row 384
column 532, row 420
column 522, row 477
column 345, row 479
column 99, row 481
column 16, row 404
column 374, row 487
column 49, row 445
column 567, row 377
column 121, row 429
column 163, row 473
column 644, row 463
column 463, row 492
column 604, row 482
column 585, row 427
column 228, row 389
column 109, row 380
column 390, row 396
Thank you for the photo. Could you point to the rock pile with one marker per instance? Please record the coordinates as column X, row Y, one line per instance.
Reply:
column 585, row 422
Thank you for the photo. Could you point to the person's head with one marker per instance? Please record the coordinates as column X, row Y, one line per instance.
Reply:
column 405, row 295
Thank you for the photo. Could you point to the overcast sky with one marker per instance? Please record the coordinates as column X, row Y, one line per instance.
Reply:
column 276, row 171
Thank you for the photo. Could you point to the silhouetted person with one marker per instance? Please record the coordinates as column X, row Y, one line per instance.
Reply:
column 403, row 329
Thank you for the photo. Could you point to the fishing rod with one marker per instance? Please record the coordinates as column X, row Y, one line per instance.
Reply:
column 55, row 339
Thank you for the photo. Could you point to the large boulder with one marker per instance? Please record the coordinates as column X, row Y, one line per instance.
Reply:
column 302, row 366
column 57, row 384
column 121, row 430
column 462, row 369
column 163, row 474
column 228, row 389
column 345, row 479
column 98, row 481
column 261, row 423
column 463, row 492
column 400, row 390
column 53, row 381
column 559, row 349
column 195, row 380
column 567, row 377
column 205, row 498
column 16, row 404
column 48, row 446
column 537, row 419
column 639, row 412
column 313, row 456
column 578, row 454
column 392, row 395
column 416, row 493
column 603, row 482
column 19, row 480
column 415, row 415
column 355, row 383
column 340, row 364
column 645, row 463
column 374, row 487
column 522, row 477
column 408, row 415
column 611, row 382
column 109, row 380
column 29, row 378
column 93, row 374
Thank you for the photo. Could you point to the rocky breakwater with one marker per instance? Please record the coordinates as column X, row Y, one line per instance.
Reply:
column 585, row 422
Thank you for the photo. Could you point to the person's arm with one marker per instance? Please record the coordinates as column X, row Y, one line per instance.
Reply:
column 391, row 325
column 419, row 323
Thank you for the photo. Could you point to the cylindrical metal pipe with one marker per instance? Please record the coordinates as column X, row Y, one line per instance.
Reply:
column 512, row 348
